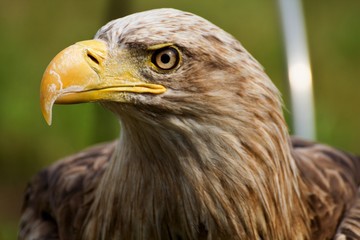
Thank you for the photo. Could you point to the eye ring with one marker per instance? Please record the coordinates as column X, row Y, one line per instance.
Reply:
column 166, row 58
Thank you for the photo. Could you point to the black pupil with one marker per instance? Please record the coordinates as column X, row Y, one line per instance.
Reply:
column 165, row 58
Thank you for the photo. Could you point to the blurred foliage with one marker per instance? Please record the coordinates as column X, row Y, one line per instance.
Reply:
column 33, row 31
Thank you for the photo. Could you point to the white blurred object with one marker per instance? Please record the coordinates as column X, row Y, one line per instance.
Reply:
column 299, row 70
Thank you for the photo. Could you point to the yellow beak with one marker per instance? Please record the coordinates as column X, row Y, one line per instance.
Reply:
column 82, row 73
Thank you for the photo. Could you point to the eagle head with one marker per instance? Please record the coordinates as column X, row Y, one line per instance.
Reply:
column 163, row 62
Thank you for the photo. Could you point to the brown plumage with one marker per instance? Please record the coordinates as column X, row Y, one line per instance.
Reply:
column 204, row 151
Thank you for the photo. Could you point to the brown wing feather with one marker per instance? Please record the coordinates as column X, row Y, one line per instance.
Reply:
column 331, row 179
column 58, row 198
column 349, row 227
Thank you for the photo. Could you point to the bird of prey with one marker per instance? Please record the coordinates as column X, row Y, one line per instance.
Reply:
column 204, row 151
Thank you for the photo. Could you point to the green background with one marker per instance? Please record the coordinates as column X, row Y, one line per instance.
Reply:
column 34, row 31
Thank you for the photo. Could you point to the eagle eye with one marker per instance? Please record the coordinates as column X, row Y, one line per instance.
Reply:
column 166, row 58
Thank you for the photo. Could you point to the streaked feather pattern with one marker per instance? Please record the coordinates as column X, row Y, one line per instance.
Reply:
column 55, row 205
column 63, row 192
column 210, row 158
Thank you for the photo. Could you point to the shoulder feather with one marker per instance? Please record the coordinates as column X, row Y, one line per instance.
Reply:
column 332, row 179
column 58, row 197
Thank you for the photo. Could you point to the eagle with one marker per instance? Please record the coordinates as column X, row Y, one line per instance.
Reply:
column 204, row 151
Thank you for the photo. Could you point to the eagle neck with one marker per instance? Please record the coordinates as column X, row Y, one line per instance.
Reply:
column 176, row 180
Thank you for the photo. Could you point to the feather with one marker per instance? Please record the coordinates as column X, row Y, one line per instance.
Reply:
column 55, row 204
column 62, row 193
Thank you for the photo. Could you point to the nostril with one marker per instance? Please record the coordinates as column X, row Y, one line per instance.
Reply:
column 93, row 58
